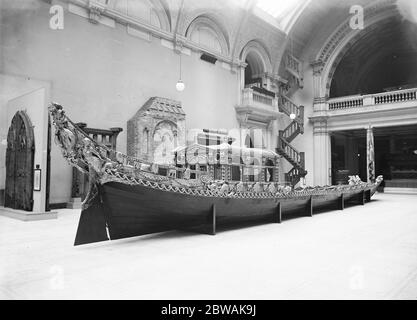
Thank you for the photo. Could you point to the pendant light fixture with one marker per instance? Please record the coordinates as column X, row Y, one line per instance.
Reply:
column 180, row 86
column 291, row 45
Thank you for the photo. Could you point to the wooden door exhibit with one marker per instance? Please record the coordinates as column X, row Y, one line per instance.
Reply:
column 19, row 163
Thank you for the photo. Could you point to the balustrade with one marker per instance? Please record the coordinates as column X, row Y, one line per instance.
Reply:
column 290, row 151
column 294, row 66
column 250, row 97
column 360, row 101
column 288, row 107
column 396, row 96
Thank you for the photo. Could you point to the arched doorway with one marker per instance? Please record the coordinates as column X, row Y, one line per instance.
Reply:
column 19, row 163
column 254, row 70
column 165, row 140
column 258, row 63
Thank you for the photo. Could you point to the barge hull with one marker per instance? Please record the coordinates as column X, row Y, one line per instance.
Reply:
column 122, row 211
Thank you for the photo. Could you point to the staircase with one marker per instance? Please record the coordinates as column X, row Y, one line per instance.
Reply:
column 286, row 136
column 294, row 68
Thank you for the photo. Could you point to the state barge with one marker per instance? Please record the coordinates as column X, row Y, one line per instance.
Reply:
column 129, row 197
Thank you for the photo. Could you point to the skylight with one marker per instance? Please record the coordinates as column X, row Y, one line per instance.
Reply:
column 277, row 8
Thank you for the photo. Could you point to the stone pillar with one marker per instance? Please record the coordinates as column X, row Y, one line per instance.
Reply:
column 322, row 152
column 321, row 137
column 238, row 67
column 317, row 79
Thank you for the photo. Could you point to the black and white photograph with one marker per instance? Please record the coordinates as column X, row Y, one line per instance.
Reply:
column 208, row 150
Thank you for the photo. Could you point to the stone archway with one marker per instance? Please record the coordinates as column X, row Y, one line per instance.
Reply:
column 342, row 39
column 258, row 62
column 324, row 66
column 19, row 163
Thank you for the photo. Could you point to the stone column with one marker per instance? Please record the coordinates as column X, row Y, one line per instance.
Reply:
column 317, row 67
column 321, row 137
column 322, row 152
column 238, row 67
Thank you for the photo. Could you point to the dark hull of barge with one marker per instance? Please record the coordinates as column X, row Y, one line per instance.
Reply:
column 121, row 211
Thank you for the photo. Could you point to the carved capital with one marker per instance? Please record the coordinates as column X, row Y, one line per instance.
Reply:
column 320, row 125
column 179, row 43
column 242, row 118
column 317, row 66
column 237, row 64
column 319, row 100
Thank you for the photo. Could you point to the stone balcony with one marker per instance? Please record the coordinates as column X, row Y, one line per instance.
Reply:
column 358, row 111
column 385, row 100
column 257, row 107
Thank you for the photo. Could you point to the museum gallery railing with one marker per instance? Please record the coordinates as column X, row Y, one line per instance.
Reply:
column 361, row 101
column 252, row 97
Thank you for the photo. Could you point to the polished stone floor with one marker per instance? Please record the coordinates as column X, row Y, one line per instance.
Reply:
column 364, row 252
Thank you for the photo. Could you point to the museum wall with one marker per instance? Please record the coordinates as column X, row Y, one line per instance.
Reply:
column 103, row 75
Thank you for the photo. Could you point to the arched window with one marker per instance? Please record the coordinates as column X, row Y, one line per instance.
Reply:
column 208, row 34
column 206, row 37
column 258, row 63
column 148, row 11
column 254, row 69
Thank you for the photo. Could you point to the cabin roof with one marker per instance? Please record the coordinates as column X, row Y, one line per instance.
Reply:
column 255, row 152
column 158, row 104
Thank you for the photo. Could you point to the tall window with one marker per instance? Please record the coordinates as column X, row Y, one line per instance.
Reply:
column 209, row 34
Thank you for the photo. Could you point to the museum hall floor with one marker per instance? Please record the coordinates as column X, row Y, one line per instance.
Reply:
column 363, row 252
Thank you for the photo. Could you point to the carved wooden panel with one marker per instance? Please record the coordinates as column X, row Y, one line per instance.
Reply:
column 102, row 136
column 20, row 163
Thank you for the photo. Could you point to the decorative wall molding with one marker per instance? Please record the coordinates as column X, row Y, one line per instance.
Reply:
column 139, row 33
column 96, row 9
column 331, row 67
column 213, row 25
column 256, row 47
column 344, row 37
column 179, row 42
column 344, row 29
column 233, row 33
column 320, row 124
column 317, row 66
